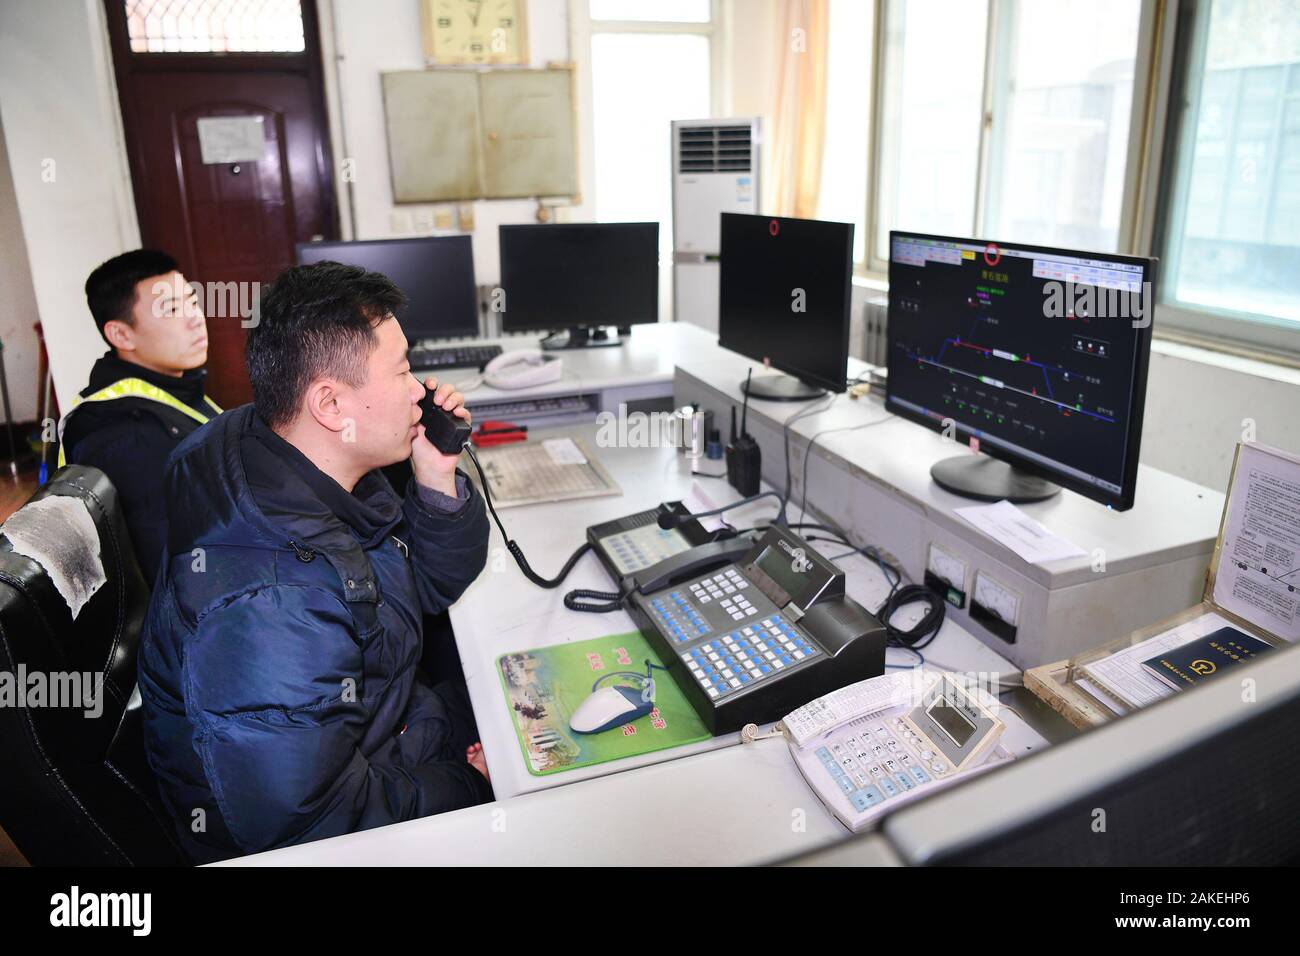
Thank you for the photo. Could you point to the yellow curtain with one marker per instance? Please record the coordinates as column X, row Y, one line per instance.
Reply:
column 798, row 116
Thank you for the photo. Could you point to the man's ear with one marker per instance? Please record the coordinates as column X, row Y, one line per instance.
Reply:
column 120, row 335
column 323, row 403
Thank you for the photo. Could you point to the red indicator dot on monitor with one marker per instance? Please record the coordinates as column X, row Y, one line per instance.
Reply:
column 774, row 227
column 992, row 255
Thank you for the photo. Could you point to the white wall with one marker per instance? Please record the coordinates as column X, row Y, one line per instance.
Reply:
column 70, row 177
column 17, row 301
column 1198, row 403
column 384, row 36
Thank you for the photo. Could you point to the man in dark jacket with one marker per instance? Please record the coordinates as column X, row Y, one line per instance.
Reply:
column 145, row 392
column 278, row 665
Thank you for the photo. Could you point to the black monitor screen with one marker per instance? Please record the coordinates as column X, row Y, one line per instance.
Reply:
column 784, row 295
column 435, row 272
column 579, row 275
column 1039, row 353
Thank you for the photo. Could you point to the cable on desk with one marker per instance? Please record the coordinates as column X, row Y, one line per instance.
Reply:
column 807, row 454
column 513, row 546
column 803, row 412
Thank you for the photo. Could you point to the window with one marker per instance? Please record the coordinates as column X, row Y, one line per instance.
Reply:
column 651, row 63
column 843, row 196
column 214, row 26
column 1231, row 244
column 930, row 133
column 1059, row 140
column 1005, row 120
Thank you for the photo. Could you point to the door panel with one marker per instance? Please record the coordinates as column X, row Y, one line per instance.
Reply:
column 226, row 223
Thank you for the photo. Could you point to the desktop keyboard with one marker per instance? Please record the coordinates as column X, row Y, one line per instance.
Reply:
column 452, row 356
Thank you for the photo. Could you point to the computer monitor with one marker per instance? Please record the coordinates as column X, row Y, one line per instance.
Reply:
column 1041, row 354
column 435, row 272
column 1207, row 776
column 784, row 290
column 580, row 277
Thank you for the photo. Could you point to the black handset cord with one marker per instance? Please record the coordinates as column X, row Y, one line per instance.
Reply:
column 513, row 546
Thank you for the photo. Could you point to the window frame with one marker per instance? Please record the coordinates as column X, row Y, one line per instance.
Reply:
column 1223, row 330
column 583, row 28
column 875, row 264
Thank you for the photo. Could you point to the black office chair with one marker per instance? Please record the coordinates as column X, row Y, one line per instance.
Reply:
column 77, row 790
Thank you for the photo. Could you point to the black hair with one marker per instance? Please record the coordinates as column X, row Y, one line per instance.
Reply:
column 110, row 289
column 315, row 320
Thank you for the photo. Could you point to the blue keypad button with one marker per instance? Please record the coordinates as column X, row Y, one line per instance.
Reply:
column 873, row 796
column 904, row 781
column 920, row 775
column 846, row 784
column 889, row 787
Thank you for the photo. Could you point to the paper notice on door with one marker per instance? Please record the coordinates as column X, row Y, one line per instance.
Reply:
column 1259, row 567
column 231, row 139
column 1006, row 523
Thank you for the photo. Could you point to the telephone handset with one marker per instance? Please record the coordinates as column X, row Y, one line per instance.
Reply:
column 701, row 558
column 751, row 626
column 875, row 745
column 522, row 368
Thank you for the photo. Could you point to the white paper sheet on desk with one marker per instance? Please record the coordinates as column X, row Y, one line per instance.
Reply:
column 1122, row 674
column 1259, row 567
column 1007, row 524
column 564, row 452
column 697, row 500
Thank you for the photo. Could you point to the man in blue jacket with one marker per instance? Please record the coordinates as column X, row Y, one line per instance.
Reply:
column 278, row 667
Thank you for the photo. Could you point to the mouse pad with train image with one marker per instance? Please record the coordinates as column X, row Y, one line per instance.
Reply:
column 575, row 705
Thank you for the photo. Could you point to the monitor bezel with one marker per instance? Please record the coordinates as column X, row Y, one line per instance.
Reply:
column 803, row 375
column 510, row 325
column 473, row 330
column 1125, row 499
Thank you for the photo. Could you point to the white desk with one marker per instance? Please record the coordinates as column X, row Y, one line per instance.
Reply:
column 502, row 612
column 638, row 372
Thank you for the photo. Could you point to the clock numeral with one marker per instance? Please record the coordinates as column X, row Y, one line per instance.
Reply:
column 444, row 22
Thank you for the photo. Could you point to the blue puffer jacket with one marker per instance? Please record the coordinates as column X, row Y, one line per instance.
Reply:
column 278, row 663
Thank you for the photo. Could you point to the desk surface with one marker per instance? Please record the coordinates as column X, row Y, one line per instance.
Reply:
column 1172, row 518
column 648, row 356
column 502, row 612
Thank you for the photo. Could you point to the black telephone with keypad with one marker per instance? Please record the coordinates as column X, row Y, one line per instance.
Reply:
column 753, row 626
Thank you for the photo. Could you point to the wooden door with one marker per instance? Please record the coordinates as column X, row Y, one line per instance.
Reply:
column 228, row 222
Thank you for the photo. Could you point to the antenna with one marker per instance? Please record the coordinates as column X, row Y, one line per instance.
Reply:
column 744, row 417
column 733, row 424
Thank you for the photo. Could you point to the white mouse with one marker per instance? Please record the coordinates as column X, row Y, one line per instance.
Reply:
column 609, row 707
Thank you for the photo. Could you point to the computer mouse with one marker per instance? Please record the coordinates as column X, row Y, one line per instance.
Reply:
column 609, row 707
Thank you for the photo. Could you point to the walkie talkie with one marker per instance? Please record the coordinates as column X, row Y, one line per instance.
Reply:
column 744, row 459
column 446, row 432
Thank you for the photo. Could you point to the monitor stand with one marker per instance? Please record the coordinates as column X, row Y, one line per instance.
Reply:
column 987, row 479
column 781, row 388
column 581, row 339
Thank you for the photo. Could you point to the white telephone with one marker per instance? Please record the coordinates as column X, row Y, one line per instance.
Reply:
column 875, row 745
column 522, row 368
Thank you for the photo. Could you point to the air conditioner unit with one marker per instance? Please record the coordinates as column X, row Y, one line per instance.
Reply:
column 715, row 169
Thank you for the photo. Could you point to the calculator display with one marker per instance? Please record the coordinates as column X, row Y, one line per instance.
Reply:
column 951, row 721
column 779, row 567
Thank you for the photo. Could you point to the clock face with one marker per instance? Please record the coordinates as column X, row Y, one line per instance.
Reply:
column 476, row 31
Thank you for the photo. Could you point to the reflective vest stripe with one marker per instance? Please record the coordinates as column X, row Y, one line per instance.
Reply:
column 135, row 388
